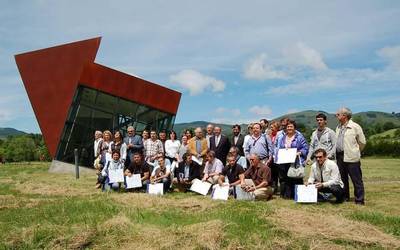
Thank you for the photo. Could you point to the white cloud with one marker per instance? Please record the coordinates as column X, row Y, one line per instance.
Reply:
column 261, row 110
column 302, row 55
column 392, row 55
column 257, row 69
column 227, row 111
column 196, row 83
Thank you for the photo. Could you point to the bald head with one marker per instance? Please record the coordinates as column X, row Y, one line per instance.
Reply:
column 198, row 132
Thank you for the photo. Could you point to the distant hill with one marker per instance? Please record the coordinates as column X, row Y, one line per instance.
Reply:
column 5, row 132
column 388, row 134
column 307, row 118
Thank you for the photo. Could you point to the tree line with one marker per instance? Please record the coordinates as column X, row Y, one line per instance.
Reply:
column 30, row 147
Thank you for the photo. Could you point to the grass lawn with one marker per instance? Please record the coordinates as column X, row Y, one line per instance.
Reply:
column 53, row 211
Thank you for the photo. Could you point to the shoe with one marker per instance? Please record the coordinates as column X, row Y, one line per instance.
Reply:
column 98, row 185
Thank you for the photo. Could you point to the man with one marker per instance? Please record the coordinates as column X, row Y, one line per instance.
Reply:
column 264, row 124
column 162, row 173
column 241, row 160
column 134, row 144
column 163, row 138
column 237, row 138
column 138, row 166
column 212, row 168
column 233, row 171
column 349, row 144
column 98, row 138
column 210, row 133
column 260, row 145
column 322, row 137
column 197, row 146
column 260, row 175
column 152, row 147
column 220, row 144
column 326, row 177
column 186, row 172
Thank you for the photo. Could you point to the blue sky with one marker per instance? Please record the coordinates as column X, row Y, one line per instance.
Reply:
column 234, row 61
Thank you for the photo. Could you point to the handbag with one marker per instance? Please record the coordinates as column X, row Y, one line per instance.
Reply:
column 296, row 170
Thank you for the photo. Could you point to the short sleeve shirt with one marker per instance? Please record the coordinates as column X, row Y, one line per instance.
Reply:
column 139, row 169
column 232, row 172
column 259, row 174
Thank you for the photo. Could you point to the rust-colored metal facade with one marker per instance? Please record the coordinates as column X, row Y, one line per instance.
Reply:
column 51, row 77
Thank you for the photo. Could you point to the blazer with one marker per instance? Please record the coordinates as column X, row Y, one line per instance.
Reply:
column 192, row 147
column 194, row 170
column 239, row 143
column 222, row 149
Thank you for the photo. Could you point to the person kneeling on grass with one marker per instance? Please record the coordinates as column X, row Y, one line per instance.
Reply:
column 212, row 169
column 162, row 174
column 138, row 166
column 186, row 172
column 113, row 164
column 260, row 175
column 326, row 177
column 233, row 171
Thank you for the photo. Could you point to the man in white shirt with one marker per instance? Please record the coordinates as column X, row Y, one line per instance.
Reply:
column 326, row 177
column 210, row 133
column 213, row 168
column 349, row 144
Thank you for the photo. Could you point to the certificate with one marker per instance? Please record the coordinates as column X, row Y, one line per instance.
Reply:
column 157, row 189
column 116, row 175
column 134, row 181
column 286, row 155
column 243, row 195
column 198, row 160
column 306, row 194
column 200, row 187
column 220, row 192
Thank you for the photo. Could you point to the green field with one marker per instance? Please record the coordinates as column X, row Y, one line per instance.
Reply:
column 53, row 211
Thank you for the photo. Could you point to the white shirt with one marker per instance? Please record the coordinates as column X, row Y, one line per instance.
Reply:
column 217, row 139
column 172, row 148
column 96, row 146
column 167, row 169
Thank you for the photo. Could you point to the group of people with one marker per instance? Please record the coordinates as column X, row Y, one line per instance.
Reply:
column 244, row 160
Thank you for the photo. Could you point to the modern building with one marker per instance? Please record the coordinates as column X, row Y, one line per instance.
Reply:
column 72, row 96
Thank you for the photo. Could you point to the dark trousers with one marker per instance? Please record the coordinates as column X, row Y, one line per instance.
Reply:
column 287, row 184
column 274, row 176
column 352, row 169
column 336, row 190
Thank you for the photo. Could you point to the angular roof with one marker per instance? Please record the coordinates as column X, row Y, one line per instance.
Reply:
column 51, row 77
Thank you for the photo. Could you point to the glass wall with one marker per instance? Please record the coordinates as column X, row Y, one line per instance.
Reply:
column 93, row 110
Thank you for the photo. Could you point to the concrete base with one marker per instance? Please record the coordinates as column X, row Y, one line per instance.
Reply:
column 68, row 168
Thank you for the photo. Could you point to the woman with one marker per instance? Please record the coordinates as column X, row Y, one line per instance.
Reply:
column 272, row 133
column 172, row 147
column 183, row 148
column 113, row 165
column 291, row 139
column 118, row 145
column 188, row 134
column 105, row 150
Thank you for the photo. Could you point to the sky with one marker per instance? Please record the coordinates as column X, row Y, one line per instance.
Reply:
column 233, row 61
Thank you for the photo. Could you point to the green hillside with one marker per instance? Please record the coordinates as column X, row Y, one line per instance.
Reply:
column 379, row 121
column 5, row 132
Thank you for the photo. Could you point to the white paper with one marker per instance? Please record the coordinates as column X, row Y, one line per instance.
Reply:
column 116, row 175
column 134, row 181
column 286, row 155
column 200, row 187
column 306, row 194
column 108, row 157
column 220, row 192
column 198, row 160
column 157, row 189
column 243, row 195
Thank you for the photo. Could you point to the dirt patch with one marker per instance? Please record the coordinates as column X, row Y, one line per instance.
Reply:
column 206, row 235
column 331, row 227
column 116, row 223
column 55, row 185
column 143, row 200
column 81, row 240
